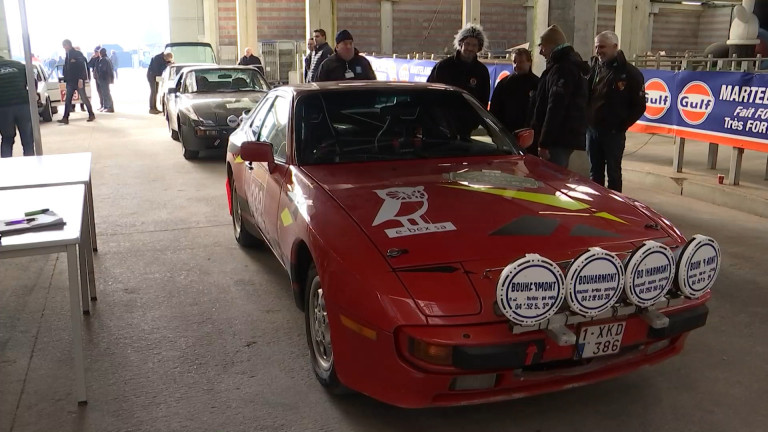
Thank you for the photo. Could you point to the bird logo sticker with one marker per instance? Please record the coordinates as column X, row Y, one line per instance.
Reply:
column 407, row 205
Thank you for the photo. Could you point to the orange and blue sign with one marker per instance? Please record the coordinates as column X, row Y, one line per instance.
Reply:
column 728, row 108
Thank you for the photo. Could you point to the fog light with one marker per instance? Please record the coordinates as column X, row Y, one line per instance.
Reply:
column 473, row 382
column 431, row 353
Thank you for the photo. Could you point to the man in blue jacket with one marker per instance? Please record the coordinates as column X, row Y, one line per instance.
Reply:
column 75, row 76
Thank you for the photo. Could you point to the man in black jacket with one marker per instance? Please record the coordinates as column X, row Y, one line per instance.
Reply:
column 321, row 53
column 346, row 63
column 251, row 60
column 75, row 75
column 156, row 67
column 14, row 108
column 308, row 57
column 105, row 75
column 616, row 102
column 512, row 98
column 464, row 70
column 560, row 119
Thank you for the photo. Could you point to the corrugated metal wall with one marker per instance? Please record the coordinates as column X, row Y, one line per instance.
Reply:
column 363, row 19
column 282, row 19
column 412, row 20
column 714, row 26
column 606, row 17
column 676, row 30
column 504, row 22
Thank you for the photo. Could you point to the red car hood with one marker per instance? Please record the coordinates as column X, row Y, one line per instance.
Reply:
column 480, row 209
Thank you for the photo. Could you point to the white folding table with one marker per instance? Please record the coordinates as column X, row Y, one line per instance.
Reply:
column 58, row 170
column 68, row 202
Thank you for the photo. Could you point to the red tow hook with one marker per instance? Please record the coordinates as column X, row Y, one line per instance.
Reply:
column 531, row 351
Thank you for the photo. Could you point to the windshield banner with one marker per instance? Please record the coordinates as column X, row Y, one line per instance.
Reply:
column 728, row 108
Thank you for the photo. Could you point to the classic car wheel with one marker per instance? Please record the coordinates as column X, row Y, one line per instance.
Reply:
column 188, row 154
column 242, row 235
column 47, row 115
column 319, row 335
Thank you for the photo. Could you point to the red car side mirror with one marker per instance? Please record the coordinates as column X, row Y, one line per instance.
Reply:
column 258, row 151
column 524, row 137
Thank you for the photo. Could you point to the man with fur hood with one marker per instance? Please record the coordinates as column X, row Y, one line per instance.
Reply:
column 464, row 70
column 560, row 117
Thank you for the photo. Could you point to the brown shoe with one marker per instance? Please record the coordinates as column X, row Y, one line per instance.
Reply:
column 63, row 121
column 91, row 118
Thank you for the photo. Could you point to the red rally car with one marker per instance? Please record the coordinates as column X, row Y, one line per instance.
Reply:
column 437, row 264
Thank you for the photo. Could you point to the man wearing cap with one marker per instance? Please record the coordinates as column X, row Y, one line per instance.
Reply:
column 616, row 102
column 560, row 119
column 346, row 63
column 464, row 70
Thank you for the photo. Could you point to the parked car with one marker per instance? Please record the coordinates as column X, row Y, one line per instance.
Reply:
column 47, row 94
column 438, row 264
column 168, row 80
column 205, row 105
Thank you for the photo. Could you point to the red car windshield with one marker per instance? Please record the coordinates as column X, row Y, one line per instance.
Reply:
column 371, row 125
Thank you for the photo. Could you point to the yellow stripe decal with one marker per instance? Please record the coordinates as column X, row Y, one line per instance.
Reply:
column 238, row 159
column 561, row 201
column 286, row 217
column 609, row 216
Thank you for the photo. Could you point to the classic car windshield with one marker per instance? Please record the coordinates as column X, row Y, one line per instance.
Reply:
column 370, row 125
column 224, row 80
column 192, row 53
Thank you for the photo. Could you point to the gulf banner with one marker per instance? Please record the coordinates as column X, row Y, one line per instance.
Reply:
column 391, row 69
column 729, row 108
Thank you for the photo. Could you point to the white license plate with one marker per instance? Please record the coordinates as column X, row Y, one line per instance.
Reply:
column 600, row 340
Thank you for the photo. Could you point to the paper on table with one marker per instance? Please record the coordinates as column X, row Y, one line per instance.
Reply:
column 41, row 221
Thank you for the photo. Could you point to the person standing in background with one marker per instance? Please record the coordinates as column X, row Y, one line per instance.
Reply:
column 513, row 96
column 251, row 60
column 322, row 52
column 104, row 73
column 156, row 67
column 308, row 57
column 14, row 108
column 115, row 61
column 75, row 75
column 464, row 70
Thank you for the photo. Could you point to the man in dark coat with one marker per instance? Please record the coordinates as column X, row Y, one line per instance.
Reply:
column 14, row 108
column 322, row 52
column 156, row 67
column 512, row 98
column 92, row 67
column 464, row 70
column 251, row 60
column 346, row 63
column 560, row 119
column 104, row 73
column 616, row 102
column 75, row 75
column 308, row 57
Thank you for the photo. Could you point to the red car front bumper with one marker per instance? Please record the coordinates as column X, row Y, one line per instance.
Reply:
column 385, row 370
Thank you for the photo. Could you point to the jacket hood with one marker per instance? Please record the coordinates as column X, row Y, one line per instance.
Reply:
column 568, row 55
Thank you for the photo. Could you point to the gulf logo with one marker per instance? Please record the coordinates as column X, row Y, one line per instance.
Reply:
column 657, row 98
column 501, row 76
column 695, row 102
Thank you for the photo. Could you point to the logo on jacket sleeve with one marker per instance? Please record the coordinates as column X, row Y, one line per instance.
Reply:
column 407, row 205
column 695, row 102
column 657, row 98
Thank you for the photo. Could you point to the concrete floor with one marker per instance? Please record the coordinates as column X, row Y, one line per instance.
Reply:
column 193, row 333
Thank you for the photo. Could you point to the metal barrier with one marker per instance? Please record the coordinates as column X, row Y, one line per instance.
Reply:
column 279, row 59
column 699, row 62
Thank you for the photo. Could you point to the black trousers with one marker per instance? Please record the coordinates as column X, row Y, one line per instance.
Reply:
column 606, row 149
column 153, row 86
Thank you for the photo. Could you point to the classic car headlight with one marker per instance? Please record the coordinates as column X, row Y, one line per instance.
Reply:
column 698, row 266
column 530, row 290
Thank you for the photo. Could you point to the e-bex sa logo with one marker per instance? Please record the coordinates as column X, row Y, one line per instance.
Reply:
column 695, row 102
column 657, row 98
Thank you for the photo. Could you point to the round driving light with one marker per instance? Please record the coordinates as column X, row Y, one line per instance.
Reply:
column 233, row 121
column 594, row 281
column 530, row 290
column 698, row 266
column 649, row 273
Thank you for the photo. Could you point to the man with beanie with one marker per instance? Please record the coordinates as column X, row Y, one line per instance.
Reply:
column 14, row 108
column 513, row 96
column 321, row 52
column 346, row 63
column 616, row 101
column 560, row 119
column 464, row 70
